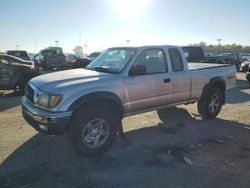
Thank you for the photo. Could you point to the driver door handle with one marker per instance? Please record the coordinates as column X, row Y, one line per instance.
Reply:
column 166, row 80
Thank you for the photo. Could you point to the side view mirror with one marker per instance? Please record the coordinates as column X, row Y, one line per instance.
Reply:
column 138, row 70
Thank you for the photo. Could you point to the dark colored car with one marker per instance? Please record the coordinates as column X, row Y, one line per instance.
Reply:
column 14, row 59
column 94, row 55
column 48, row 59
column 248, row 74
column 234, row 59
column 226, row 58
column 15, row 73
column 19, row 53
column 75, row 61
column 244, row 66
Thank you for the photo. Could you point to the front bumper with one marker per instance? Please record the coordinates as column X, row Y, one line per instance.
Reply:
column 53, row 123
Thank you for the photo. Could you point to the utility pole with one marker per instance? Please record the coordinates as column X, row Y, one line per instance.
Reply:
column 218, row 48
column 56, row 41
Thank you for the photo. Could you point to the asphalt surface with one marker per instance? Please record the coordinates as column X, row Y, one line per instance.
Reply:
column 177, row 149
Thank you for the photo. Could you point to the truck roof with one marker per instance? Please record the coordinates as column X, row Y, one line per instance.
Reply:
column 146, row 46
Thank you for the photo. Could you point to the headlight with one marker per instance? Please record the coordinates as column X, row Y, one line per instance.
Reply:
column 49, row 100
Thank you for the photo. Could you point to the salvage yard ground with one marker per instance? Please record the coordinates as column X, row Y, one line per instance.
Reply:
column 190, row 152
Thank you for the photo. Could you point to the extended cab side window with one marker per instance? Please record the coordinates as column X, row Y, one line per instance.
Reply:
column 150, row 61
column 176, row 60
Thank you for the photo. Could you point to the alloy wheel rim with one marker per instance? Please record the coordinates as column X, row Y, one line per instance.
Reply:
column 95, row 133
column 214, row 104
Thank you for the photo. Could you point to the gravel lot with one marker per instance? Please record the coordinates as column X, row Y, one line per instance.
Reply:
column 189, row 153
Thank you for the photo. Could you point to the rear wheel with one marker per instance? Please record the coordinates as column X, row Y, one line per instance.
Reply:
column 93, row 130
column 210, row 104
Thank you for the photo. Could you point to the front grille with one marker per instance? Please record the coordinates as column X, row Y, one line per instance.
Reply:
column 29, row 92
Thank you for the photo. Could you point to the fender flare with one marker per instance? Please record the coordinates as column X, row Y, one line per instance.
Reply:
column 99, row 96
column 217, row 82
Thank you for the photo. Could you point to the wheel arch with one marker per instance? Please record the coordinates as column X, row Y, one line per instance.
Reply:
column 107, row 99
column 216, row 82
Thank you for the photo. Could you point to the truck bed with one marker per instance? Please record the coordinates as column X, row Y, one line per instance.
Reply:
column 192, row 66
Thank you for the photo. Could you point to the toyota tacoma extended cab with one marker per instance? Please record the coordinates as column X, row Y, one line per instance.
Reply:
column 89, row 103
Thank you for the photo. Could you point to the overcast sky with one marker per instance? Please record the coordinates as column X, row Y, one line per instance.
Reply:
column 36, row 24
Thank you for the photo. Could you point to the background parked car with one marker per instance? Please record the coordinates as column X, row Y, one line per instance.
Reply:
column 234, row 59
column 94, row 55
column 245, row 57
column 210, row 54
column 13, row 59
column 19, row 53
column 248, row 74
column 244, row 65
column 15, row 73
column 50, row 58
column 226, row 58
column 75, row 61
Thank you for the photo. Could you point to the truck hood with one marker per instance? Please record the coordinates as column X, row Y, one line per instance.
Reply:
column 28, row 64
column 64, row 80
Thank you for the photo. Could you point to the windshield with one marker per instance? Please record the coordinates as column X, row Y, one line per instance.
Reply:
column 49, row 52
column 112, row 60
column 18, row 53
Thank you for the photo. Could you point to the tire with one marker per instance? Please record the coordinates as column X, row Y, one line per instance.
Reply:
column 209, row 106
column 85, row 131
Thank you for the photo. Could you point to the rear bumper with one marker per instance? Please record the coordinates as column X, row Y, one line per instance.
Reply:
column 54, row 123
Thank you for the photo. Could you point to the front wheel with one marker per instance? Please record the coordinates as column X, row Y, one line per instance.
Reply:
column 209, row 106
column 93, row 131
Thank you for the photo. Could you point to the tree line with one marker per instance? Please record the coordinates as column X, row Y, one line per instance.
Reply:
column 227, row 48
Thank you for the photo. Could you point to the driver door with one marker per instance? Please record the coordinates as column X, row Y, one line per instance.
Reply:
column 148, row 84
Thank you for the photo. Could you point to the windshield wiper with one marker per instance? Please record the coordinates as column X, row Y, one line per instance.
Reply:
column 103, row 69
column 89, row 68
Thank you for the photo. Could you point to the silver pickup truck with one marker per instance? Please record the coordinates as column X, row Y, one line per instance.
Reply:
column 90, row 103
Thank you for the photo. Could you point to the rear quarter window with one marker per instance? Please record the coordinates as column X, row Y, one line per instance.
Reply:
column 176, row 60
